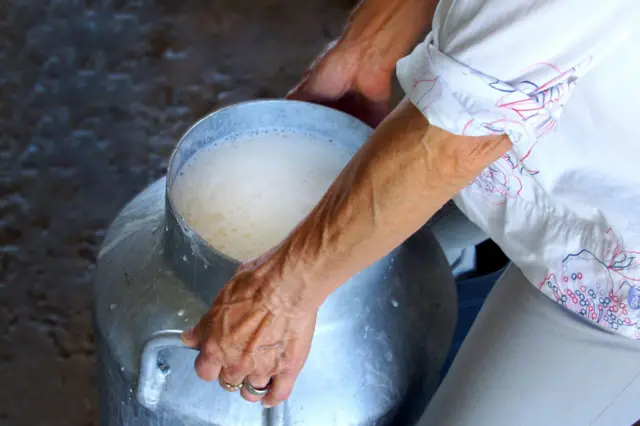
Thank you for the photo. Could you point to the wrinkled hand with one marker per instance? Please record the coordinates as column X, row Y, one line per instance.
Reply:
column 254, row 331
column 347, row 80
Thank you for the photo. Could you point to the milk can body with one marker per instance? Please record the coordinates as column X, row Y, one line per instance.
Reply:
column 380, row 339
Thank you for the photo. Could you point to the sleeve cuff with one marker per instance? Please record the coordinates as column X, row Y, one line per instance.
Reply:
column 464, row 101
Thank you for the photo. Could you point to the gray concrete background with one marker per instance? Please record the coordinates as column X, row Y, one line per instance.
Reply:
column 93, row 96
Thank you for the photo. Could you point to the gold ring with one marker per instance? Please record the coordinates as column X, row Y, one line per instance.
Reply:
column 229, row 387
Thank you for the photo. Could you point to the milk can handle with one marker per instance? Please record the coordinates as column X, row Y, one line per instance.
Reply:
column 153, row 375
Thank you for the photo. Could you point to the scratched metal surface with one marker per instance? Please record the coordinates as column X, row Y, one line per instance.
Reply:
column 93, row 95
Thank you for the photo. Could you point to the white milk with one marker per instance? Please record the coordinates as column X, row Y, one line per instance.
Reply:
column 244, row 196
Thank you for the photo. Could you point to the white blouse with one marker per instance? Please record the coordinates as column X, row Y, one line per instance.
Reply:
column 564, row 202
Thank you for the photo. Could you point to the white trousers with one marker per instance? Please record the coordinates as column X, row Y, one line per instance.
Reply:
column 529, row 362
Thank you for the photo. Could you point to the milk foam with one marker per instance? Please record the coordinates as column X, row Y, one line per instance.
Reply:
column 245, row 195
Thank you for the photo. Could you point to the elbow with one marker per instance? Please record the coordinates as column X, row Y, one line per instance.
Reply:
column 460, row 159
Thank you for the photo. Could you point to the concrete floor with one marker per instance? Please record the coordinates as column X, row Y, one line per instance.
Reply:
column 93, row 96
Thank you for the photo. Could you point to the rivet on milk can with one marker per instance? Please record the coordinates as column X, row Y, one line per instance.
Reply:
column 380, row 339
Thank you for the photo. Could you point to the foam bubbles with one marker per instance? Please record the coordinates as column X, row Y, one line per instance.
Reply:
column 245, row 195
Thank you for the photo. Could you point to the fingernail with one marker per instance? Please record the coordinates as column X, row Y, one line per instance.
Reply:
column 267, row 405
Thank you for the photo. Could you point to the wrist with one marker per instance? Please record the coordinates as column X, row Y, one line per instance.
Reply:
column 381, row 32
column 289, row 284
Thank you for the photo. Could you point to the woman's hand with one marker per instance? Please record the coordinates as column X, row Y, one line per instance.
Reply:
column 340, row 78
column 257, row 330
column 354, row 74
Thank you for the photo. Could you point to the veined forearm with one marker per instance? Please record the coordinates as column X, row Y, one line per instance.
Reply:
column 385, row 30
column 393, row 185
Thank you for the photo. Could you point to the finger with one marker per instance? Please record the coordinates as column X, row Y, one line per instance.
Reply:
column 207, row 367
column 324, row 82
column 281, row 387
column 190, row 338
column 234, row 375
column 207, row 364
column 258, row 383
column 229, row 385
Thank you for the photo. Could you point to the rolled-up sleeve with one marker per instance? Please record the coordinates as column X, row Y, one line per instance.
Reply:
column 509, row 66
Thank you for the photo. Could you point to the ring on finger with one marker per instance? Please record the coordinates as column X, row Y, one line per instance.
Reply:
column 231, row 388
column 254, row 390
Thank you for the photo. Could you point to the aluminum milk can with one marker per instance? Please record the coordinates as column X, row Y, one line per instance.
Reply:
column 380, row 340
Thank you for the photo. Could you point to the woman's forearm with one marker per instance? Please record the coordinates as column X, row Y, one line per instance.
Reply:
column 393, row 185
column 383, row 31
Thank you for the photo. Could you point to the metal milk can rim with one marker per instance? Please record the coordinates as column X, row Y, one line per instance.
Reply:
column 182, row 243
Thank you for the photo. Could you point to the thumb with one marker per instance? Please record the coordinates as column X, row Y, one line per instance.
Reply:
column 190, row 337
column 327, row 80
column 313, row 88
